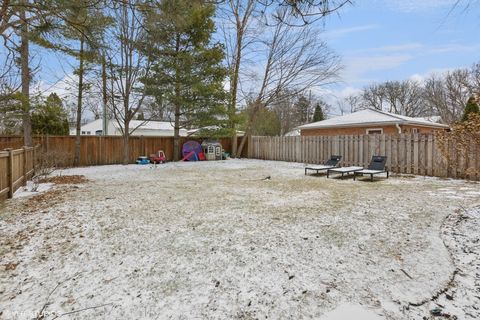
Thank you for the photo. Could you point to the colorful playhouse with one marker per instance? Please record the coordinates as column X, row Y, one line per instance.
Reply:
column 212, row 150
column 208, row 150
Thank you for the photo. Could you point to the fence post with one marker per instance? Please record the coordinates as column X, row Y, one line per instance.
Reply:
column 10, row 172
column 34, row 158
column 25, row 166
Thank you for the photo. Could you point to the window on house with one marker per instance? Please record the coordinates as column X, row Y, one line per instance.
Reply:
column 99, row 132
column 88, row 132
column 83, row 132
column 415, row 130
column 375, row 131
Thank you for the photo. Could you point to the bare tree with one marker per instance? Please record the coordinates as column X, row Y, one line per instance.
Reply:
column 400, row 97
column 475, row 79
column 10, row 100
column 127, row 64
column 284, row 109
column 447, row 94
column 351, row 104
column 295, row 59
column 374, row 96
column 405, row 98
column 303, row 12
column 236, row 25
column 30, row 21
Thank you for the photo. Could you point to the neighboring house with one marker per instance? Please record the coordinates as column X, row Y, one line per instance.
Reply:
column 143, row 128
column 197, row 131
column 370, row 121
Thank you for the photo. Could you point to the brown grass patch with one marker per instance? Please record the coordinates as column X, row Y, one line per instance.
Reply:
column 44, row 200
column 11, row 266
column 71, row 179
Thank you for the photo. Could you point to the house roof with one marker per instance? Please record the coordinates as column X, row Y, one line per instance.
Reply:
column 370, row 117
column 149, row 125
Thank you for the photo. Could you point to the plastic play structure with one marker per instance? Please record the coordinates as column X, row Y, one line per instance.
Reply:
column 142, row 160
column 212, row 149
column 192, row 151
column 158, row 157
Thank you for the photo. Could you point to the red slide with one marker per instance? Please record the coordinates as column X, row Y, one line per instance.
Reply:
column 191, row 153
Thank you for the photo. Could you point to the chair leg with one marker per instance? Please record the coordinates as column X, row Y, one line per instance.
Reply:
column 371, row 177
column 387, row 174
column 354, row 176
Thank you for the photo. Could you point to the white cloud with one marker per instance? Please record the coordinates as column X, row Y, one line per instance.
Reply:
column 357, row 66
column 335, row 96
column 340, row 32
column 397, row 48
column 437, row 71
column 417, row 77
column 418, row 6
column 359, row 62
column 62, row 87
column 447, row 48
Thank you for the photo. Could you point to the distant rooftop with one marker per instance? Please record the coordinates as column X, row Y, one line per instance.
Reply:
column 370, row 117
column 149, row 125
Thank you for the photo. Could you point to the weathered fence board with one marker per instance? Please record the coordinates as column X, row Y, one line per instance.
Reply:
column 16, row 167
column 406, row 153
column 101, row 150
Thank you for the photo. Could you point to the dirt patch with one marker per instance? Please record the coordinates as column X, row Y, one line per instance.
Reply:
column 11, row 266
column 69, row 179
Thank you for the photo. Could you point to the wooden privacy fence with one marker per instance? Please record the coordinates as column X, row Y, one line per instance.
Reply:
column 101, row 150
column 16, row 167
column 406, row 153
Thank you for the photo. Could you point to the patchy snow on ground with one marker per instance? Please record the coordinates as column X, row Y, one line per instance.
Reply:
column 349, row 311
column 241, row 239
column 28, row 190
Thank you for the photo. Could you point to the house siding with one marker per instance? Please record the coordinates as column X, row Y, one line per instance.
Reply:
column 390, row 129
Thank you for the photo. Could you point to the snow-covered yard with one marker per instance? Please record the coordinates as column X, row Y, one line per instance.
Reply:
column 215, row 240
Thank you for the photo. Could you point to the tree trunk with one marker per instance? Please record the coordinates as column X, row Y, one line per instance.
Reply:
column 248, row 128
column 126, row 146
column 176, row 132
column 76, row 159
column 233, row 101
column 104, row 96
column 25, row 71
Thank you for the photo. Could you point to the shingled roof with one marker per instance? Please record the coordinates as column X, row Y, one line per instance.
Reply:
column 370, row 117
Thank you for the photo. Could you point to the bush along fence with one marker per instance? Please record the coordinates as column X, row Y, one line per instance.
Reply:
column 16, row 167
column 101, row 150
column 406, row 153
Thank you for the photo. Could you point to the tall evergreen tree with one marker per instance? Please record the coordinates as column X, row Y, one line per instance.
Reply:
column 33, row 22
column 50, row 117
column 266, row 123
column 83, row 38
column 187, row 73
column 318, row 114
column 471, row 107
column 302, row 109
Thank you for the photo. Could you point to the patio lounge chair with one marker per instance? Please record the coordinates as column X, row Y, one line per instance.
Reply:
column 329, row 164
column 343, row 170
column 376, row 166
